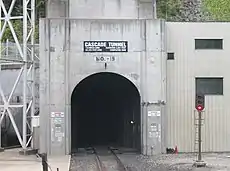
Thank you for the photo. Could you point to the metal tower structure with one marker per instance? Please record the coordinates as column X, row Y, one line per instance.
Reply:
column 26, row 74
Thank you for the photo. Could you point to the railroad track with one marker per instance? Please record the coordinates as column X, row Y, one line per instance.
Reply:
column 100, row 165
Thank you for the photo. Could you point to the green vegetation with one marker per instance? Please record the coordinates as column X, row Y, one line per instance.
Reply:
column 17, row 24
column 179, row 10
column 168, row 9
column 219, row 9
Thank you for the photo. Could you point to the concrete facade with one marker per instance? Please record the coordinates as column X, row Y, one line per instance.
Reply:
column 64, row 64
column 100, row 9
column 62, row 59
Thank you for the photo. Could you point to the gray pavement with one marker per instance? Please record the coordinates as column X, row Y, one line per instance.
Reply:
column 10, row 160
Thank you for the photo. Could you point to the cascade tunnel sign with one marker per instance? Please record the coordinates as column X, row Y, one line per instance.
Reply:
column 105, row 46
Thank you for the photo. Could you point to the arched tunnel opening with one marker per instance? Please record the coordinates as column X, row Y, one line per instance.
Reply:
column 105, row 111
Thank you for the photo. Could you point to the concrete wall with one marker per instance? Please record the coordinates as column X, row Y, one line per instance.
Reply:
column 181, row 72
column 113, row 9
column 63, row 64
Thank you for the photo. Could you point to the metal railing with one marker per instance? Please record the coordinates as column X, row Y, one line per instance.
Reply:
column 10, row 55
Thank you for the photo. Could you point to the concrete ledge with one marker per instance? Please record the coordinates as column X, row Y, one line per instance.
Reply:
column 28, row 152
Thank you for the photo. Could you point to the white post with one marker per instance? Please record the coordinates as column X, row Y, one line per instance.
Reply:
column 7, row 48
column 24, row 129
column 33, row 66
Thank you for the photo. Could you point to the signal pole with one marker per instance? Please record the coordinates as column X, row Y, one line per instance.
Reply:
column 200, row 104
column 199, row 135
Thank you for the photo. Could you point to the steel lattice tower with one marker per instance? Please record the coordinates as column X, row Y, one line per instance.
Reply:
column 26, row 61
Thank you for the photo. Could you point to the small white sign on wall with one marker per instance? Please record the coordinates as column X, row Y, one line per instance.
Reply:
column 154, row 113
column 105, row 59
column 57, row 114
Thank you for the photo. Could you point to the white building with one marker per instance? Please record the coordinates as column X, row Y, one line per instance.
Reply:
column 202, row 65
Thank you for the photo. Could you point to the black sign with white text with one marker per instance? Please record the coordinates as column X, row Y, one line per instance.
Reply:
column 105, row 46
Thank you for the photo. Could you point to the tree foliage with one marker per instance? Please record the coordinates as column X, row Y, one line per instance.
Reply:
column 194, row 10
column 17, row 24
column 168, row 9
column 220, row 9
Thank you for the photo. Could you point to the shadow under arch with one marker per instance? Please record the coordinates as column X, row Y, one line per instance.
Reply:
column 105, row 111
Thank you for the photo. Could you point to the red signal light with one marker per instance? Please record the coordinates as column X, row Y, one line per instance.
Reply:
column 200, row 107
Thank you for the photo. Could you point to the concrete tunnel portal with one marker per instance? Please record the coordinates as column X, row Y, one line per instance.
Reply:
column 105, row 111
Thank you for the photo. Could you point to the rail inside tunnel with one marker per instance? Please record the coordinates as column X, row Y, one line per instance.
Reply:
column 105, row 111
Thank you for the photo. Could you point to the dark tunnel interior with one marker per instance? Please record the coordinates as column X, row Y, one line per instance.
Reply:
column 105, row 111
